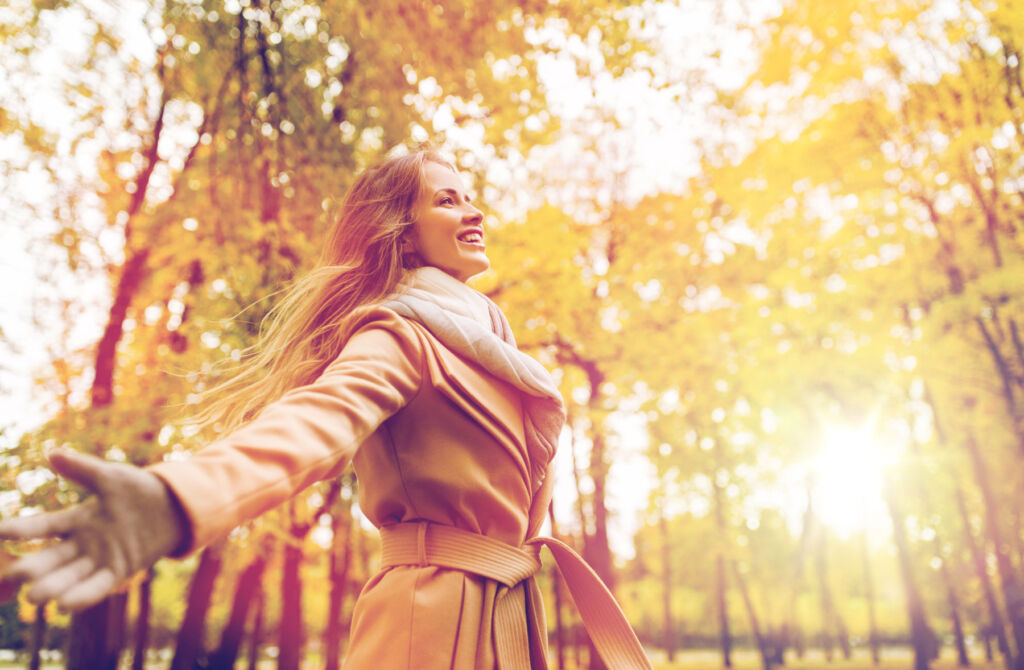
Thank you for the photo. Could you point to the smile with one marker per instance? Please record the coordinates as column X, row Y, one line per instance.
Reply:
column 472, row 237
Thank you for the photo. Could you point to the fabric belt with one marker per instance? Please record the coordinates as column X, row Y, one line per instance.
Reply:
column 425, row 543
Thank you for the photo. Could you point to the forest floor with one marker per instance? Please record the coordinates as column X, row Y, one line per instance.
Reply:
column 893, row 658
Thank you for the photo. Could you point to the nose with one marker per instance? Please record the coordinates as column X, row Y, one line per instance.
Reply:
column 472, row 215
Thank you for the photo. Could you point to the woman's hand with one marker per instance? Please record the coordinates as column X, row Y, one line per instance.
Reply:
column 128, row 523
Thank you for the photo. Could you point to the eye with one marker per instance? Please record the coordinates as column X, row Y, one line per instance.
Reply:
column 446, row 200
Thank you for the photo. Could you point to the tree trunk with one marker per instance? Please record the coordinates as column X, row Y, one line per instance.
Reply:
column 234, row 630
column 581, row 509
column 96, row 636
column 38, row 635
column 596, row 550
column 556, row 585
column 142, row 622
column 831, row 619
column 189, row 645
column 290, row 636
column 921, row 635
column 1013, row 595
column 666, row 588
column 869, row 591
column 793, row 632
column 996, row 625
column 842, row 634
column 954, row 613
column 341, row 559
column 825, row 598
column 1006, row 376
column 257, row 628
column 599, row 553
column 595, row 547
column 725, row 637
column 755, row 626
column 951, row 597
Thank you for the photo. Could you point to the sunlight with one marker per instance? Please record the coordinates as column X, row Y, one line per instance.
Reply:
column 849, row 471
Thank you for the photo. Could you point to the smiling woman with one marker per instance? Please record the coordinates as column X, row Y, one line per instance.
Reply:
column 383, row 357
column 447, row 232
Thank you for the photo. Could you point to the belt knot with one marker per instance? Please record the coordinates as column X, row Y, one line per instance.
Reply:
column 425, row 543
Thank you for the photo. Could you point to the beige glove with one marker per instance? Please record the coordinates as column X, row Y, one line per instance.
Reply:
column 129, row 523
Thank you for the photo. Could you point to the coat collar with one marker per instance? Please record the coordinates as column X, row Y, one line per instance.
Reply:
column 495, row 404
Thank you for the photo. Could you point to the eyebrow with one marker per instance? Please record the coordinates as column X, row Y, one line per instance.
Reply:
column 452, row 191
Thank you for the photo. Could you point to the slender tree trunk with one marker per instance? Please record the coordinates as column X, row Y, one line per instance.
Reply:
column 996, row 624
column 35, row 647
column 921, row 635
column 793, row 632
column 755, row 625
column 142, row 622
column 234, row 631
column 825, row 599
column 951, row 597
column 869, row 591
column 341, row 558
column 831, row 620
column 842, row 634
column 96, row 637
column 666, row 587
column 596, row 549
column 725, row 637
column 954, row 614
column 291, row 634
column 556, row 586
column 257, row 628
column 1013, row 594
column 189, row 646
column 583, row 650
column 1006, row 376
column 581, row 509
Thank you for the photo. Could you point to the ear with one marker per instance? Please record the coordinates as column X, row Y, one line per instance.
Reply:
column 410, row 255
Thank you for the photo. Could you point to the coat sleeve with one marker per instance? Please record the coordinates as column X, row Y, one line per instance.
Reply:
column 308, row 435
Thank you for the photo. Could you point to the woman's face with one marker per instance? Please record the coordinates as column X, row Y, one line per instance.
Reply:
column 447, row 231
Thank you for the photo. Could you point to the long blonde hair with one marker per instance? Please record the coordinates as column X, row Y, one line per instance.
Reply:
column 361, row 263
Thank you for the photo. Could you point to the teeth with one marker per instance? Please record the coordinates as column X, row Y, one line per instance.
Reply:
column 472, row 238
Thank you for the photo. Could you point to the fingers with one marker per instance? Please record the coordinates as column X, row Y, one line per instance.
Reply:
column 40, row 563
column 88, row 592
column 81, row 468
column 41, row 525
column 62, row 580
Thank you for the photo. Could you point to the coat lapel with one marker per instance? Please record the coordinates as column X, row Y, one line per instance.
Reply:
column 497, row 407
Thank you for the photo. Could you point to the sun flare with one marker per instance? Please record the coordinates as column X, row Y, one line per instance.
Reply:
column 849, row 471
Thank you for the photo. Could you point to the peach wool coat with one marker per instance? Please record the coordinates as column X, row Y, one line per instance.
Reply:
column 438, row 446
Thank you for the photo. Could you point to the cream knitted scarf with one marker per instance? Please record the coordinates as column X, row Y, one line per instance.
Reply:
column 472, row 326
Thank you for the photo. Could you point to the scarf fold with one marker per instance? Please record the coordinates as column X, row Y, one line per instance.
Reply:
column 468, row 323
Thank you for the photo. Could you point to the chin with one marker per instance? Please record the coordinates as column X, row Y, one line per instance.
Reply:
column 479, row 268
column 466, row 271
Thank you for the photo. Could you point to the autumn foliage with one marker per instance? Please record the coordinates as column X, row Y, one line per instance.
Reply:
column 774, row 255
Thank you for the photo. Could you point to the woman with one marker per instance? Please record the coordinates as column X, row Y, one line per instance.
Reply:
column 381, row 356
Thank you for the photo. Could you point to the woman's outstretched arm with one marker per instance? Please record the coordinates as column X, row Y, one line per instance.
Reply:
column 136, row 516
column 130, row 521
